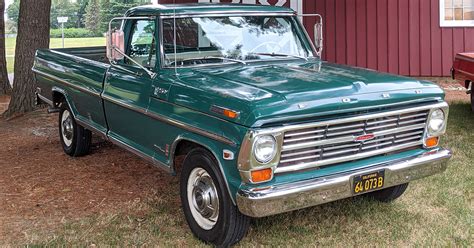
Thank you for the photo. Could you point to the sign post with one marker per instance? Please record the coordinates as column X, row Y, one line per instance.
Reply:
column 62, row 20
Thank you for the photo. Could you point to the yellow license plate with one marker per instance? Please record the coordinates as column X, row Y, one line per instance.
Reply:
column 368, row 182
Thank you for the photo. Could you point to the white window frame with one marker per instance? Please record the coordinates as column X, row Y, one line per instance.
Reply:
column 453, row 23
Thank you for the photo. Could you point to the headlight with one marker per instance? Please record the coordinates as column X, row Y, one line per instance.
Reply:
column 264, row 148
column 437, row 121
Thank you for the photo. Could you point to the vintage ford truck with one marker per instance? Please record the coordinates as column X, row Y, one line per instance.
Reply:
column 463, row 71
column 264, row 124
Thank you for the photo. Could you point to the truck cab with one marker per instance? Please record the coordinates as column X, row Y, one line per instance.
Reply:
column 241, row 92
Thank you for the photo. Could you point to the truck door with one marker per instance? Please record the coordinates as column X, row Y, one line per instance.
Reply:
column 128, row 88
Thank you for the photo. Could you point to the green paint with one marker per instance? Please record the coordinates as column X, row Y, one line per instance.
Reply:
column 267, row 93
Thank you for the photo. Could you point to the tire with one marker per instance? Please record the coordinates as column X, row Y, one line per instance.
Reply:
column 203, row 190
column 388, row 194
column 75, row 139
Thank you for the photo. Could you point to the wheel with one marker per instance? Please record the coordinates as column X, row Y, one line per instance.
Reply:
column 75, row 139
column 388, row 194
column 207, row 205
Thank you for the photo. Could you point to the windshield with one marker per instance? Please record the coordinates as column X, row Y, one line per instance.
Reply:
column 210, row 40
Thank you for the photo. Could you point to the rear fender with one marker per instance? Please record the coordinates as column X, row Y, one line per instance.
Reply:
column 57, row 101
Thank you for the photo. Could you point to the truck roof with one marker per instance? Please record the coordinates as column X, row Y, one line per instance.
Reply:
column 204, row 8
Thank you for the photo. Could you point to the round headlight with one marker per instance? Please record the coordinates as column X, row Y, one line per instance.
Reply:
column 436, row 121
column 264, row 148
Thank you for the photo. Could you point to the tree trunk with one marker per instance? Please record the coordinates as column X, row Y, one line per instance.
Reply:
column 33, row 34
column 4, row 83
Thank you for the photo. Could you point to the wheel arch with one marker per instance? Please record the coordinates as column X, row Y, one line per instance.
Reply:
column 59, row 96
column 183, row 144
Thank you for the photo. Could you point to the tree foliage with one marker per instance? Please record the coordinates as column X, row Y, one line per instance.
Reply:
column 92, row 17
column 91, row 14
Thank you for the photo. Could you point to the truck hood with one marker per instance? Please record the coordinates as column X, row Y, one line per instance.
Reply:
column 268, row 93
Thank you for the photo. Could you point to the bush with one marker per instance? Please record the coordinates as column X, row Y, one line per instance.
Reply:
column 74, row 33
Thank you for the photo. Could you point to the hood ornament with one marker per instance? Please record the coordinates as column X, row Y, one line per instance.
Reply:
column 301, row 106
column 386, row 95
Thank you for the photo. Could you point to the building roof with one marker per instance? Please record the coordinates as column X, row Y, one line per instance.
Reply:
column 197, row 8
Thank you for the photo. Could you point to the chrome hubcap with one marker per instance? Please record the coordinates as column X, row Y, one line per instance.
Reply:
column 203, row 199
column 67, row 128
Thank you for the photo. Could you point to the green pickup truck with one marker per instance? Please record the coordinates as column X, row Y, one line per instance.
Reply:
column 240, row 91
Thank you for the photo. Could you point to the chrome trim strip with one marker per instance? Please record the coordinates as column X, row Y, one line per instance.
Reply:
column 59, row 80
column 44, row 99
column 221, row 13
column 170, row 121
column 265, row 201
column 260, row 123
column 91, row 128
column 140, row 154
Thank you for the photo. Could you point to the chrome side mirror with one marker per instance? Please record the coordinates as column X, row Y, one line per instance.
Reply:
column 318, row 44
column 318, row 35
column 115, row 45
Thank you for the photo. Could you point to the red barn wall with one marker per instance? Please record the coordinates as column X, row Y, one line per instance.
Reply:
column 397, row 36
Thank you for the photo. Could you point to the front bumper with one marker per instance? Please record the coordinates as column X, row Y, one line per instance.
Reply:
column 260, row 202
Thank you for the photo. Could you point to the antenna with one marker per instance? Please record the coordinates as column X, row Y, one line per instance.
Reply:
column 174, row 39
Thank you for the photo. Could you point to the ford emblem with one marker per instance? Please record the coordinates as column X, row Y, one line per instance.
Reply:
column 364, row 138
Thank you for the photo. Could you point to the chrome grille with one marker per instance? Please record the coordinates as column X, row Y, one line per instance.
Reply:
column 335, row 143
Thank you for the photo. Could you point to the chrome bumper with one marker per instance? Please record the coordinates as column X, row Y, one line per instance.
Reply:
column 260, row 202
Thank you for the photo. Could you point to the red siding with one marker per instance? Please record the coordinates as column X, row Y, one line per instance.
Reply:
column 398, row 36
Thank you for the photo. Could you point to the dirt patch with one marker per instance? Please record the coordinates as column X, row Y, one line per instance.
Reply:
column 41, row 187
column 454, row 90
column 4, row 100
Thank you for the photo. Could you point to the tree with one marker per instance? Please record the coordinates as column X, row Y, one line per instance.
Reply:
column 81, row 12
column 93, row 15
column 33, row 34
column 4, row 83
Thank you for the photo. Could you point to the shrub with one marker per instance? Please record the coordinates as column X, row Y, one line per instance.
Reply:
column 74, row 33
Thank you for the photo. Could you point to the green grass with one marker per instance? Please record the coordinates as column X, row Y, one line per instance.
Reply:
column 54, row 43
column 435, row 211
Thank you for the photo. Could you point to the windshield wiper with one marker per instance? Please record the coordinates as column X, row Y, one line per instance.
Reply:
column 281, row 55
column 229, row 59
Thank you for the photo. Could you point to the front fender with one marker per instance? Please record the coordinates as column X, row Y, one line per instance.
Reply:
column 228, row 168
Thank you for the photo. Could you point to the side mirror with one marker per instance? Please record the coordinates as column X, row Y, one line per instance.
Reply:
column 115, row 45
column 318, row 36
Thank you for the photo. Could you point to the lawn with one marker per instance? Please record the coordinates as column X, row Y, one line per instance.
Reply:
column 436, row 211
column 54, row 43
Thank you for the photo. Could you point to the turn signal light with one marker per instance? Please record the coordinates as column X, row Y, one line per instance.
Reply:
column 225, row 112
column 231, row 114
column 262, row 175
column 431, row 142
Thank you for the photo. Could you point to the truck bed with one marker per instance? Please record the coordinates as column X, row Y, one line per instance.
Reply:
column 78, row 72
column 91, row 53
column 463, row 68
